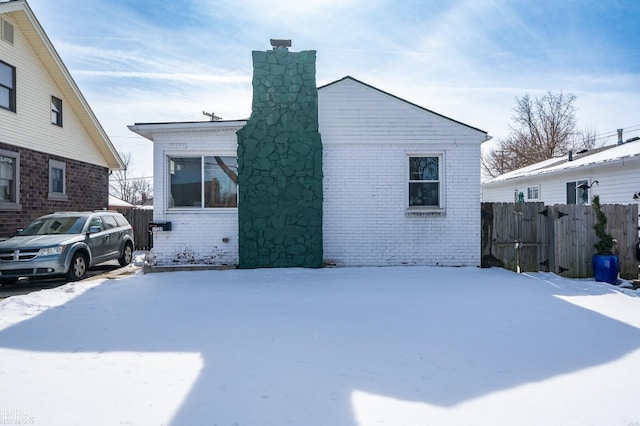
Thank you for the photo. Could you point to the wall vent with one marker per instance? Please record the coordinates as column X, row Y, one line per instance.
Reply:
column 7, row 31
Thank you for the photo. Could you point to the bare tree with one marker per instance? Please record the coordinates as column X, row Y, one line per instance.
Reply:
column 121, row 185
column 541, row 128
column 132, row 190
column 586, row 139
column 143, row 190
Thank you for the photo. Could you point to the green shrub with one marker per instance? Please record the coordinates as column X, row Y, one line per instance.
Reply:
column 605, row 242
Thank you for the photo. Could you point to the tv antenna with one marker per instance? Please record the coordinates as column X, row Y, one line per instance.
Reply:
column 212, row 116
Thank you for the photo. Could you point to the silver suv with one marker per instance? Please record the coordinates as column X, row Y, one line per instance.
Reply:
column 66, row 244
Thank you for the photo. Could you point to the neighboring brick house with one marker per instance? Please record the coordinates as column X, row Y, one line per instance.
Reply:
column 344, row 174
column 54, row 155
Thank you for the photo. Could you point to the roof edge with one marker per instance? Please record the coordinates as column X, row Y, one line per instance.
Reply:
column 147, row 130
column 348, row 77
column 23, row 6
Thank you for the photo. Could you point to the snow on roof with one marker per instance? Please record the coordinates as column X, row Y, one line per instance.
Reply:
column 117, row 202
column 608, row 154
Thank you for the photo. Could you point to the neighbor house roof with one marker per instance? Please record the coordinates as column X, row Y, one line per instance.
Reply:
column 608, row 155
column 26, row 20
column 117, row 202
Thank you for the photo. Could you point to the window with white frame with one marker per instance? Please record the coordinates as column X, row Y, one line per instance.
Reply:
column 7, row 86
column 9, row 180
column 57, row 180
column 56, row 111
column 425, row 182
column 202, row 182
column 577, row 195
column 533, row 193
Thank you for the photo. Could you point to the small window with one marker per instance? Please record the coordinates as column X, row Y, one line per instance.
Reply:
column 7, row 87
column 96, row 222
column 425, row 182
column 533, row 193
column 577, row 195
column 203, row 182
column 57, row 178
column 9, row 180
column 56, row 111
column 121, row 221
column 109, row 222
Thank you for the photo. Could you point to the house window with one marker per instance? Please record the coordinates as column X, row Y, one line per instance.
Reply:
column 57, row 178
column 425, row 182
column 577, row 195
column 9, row 180
column 56, row 111
column 533, row 193
column 203, row 182
column 7, row 87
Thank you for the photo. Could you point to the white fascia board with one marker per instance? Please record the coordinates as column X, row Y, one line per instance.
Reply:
column 147, row 130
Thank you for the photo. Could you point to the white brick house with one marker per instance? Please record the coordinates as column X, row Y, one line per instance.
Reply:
column 209, row 235
column 368, row 138
column 373, row 212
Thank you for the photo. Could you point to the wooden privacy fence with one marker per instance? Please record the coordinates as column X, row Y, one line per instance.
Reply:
column 530, row 237
column 139, row 220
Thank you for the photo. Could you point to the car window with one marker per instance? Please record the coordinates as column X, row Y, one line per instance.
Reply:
column 77, row 226
column 96, row 221
column 121, row 220
column 55, row 225
column 109, row 222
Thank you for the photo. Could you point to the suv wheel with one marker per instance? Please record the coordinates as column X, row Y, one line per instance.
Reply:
column 127, row 254
column 78, row 268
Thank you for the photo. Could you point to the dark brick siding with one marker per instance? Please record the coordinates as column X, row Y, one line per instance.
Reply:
column 87, row 189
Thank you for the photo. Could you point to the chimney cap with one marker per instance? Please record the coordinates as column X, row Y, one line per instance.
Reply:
column 280, row 43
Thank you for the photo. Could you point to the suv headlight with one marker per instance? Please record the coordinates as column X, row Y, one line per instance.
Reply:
column 50, row 251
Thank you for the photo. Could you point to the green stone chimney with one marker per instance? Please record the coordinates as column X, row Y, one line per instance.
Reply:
column 280, row 164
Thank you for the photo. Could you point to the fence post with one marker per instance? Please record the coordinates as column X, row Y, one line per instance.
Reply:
column 139, row 220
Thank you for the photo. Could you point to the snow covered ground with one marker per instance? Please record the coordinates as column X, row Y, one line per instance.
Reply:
column 354, row 346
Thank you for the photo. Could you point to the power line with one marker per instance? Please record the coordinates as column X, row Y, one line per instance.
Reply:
column 132, row 178
column 615, row 132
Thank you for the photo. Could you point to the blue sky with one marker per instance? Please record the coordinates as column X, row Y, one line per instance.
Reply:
column 146, row 61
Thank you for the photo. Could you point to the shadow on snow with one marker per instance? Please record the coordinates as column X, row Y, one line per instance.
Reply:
column 299, row 342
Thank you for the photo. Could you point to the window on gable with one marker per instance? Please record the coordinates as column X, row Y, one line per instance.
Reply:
column 533, row 193
column 9, row 180
column 57, row 180
column 7, row 86
column 203, row 182
column 577, row 195
column 56, row 111
column 425, row 182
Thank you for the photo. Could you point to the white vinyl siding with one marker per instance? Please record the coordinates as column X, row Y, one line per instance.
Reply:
column 30, row 127
column 617, row 182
